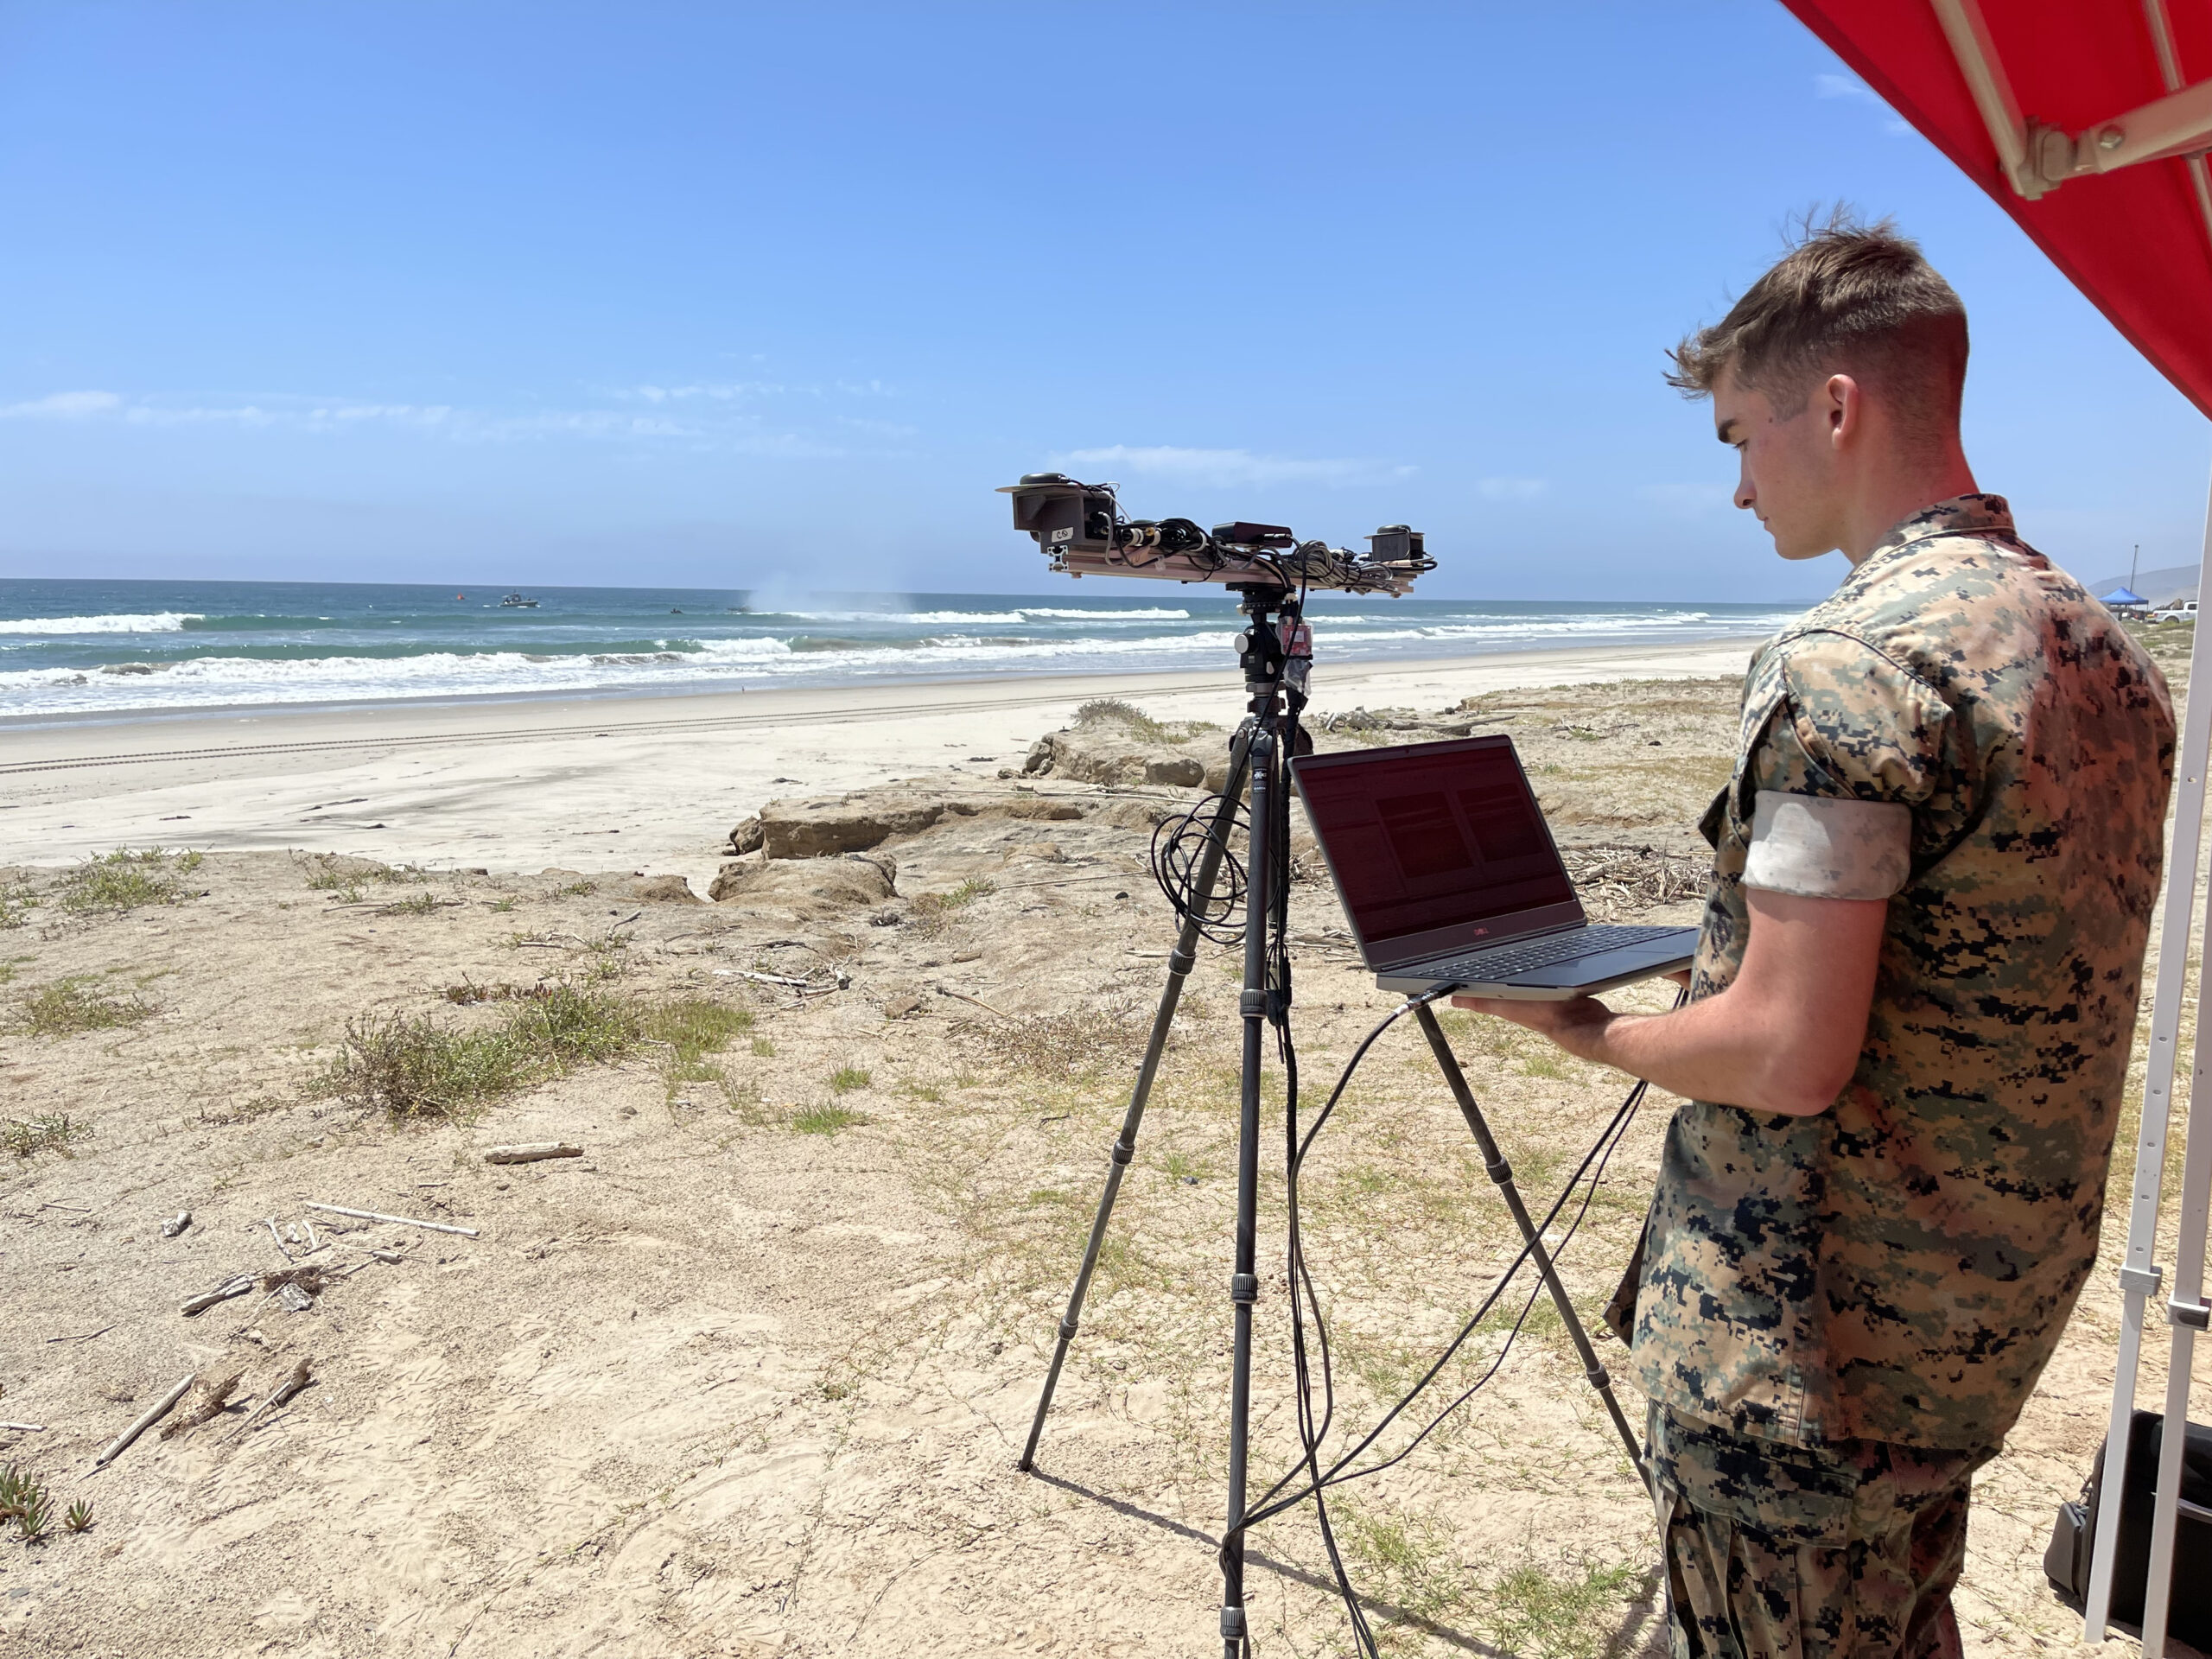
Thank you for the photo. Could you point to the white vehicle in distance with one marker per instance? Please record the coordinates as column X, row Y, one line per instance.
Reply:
column 2185, row 611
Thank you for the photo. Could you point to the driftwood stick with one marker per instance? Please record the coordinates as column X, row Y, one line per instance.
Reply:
column 775, row 979
column 213, row 1394
column 86, row 1336
column 223, row 1293
column 154, row 1416
column 272, row 1225
column 532, row 1152
column 963, row 997
column 297, row 1379
column 403, row 1221
column 25, row 1428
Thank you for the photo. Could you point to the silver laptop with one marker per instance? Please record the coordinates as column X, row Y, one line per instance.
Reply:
column 1449, row 876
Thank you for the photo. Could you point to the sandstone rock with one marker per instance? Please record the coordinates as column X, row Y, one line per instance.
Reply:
column 665, row 889
column 854, row 823
column 745, row 837
column 1115, row 754
column 808, row 886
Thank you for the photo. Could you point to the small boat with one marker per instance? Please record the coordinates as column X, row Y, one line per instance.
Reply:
column 516, row 602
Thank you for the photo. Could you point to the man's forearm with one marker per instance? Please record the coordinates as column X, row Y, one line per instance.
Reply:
column 1724, row 1049
column 1785, row 1038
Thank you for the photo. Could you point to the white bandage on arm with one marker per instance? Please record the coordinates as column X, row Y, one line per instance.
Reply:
column 1818, row 847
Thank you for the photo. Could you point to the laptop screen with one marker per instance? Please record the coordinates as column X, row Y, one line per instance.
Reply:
column 1437, row 836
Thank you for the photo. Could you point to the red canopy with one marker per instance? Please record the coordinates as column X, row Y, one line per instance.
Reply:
column 2138, row 239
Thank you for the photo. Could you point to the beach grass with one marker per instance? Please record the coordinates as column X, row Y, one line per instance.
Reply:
column 50, row 1132
column 826, row 1119
column 127, row 880
column 423, row 1068
column 75, row 1004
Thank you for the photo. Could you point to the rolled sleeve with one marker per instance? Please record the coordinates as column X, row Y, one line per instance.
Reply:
column 1829, row 847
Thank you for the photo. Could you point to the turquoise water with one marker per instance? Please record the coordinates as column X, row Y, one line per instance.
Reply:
column 93, row 647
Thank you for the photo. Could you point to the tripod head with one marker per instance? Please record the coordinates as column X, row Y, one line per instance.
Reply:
column 1081, row 528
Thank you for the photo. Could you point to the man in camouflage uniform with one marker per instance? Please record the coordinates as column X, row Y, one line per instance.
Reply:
column 1908, row 1029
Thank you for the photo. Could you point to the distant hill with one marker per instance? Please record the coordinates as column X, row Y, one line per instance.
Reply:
column 2159, row 586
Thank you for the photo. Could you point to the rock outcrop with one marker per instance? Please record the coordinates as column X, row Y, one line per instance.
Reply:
column 866, row 818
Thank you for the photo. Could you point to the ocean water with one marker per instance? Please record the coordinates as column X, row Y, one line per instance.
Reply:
column 79, row 648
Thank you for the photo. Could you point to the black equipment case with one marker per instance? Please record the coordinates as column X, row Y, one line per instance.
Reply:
column 2066, row 1563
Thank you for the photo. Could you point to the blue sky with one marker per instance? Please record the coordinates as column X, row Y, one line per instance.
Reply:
column 731, row 295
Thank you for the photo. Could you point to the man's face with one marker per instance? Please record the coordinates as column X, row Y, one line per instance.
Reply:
column 1789, row 472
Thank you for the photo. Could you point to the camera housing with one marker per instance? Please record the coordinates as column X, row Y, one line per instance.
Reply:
column 1080, row 529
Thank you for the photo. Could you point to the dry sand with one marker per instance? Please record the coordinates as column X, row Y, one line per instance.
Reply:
column 749, row 1377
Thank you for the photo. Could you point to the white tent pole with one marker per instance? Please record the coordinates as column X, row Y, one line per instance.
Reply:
column 2186, row 1313
column 2139, row 1276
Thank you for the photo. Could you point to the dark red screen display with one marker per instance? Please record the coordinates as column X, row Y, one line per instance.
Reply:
column 1430, row 841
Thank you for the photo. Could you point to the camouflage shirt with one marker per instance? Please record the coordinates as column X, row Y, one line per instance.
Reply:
column 1898, row 1267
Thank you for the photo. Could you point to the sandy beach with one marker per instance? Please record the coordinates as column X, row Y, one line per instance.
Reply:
column 643, row 781
column 748, row 1374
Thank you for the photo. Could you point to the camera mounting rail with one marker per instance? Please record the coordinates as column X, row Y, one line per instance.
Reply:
column 1082, row 531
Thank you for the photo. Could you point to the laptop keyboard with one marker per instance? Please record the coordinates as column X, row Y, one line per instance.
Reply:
column 1503, row 961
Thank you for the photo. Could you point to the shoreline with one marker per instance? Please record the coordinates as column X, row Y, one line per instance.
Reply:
column 733, row 685
column 637, row 783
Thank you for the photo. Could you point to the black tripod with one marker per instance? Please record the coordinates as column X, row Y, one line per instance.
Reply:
column 1274, row 661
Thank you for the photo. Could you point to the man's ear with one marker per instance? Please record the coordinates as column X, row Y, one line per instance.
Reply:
column 1844, row 404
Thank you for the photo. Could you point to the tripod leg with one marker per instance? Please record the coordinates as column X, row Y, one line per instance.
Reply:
column 1501, row 1173
column 1180, row 962
column 1244, row 1283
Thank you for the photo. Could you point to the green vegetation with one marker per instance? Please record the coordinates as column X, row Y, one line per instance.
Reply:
column 1113, row 711
column 1570, row 1616
column 79, row 1518
column 54, row 1132
column 422, row 904
column 421, row 1068
column 576, row 890
column 17, row 900
column 933, row 912
column 26, row 1503
column 824, row 1120
column 763, row 1048
column 846, row 1078
column 76, row 1004
column 691, row 1030
column 126, row 880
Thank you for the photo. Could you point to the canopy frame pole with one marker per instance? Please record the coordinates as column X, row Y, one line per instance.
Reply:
column 2140, row 1274
column 2162, row 41
column 2036, row 157
column 1968, row 34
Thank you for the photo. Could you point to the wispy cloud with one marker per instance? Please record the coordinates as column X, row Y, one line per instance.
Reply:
column 1511, row 489
column 715, row 429
column 1851, row 87
column 62, row 406
column 1227, row 468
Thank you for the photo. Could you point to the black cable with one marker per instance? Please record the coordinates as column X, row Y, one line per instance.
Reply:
column 1311, row 1433
column 1179, row 843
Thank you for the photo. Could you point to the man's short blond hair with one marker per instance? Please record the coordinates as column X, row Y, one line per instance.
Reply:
column 1848, row 298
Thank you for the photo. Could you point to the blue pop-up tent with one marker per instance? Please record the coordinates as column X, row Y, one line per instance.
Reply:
column 2122, row 596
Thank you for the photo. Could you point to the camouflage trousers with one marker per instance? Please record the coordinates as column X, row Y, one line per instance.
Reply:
column 1777, row 1552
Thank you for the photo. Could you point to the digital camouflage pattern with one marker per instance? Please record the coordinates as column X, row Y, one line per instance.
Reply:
column 1898, row 1267
column 1779, row 1552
